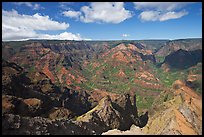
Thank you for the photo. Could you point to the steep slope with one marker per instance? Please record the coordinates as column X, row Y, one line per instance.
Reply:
column 61, row 63
column 34, row 94
column 181, row 114
column 177, row 111
column 182, row 59
column 120, row 113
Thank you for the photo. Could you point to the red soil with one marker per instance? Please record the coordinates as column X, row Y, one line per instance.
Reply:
column 47, row 72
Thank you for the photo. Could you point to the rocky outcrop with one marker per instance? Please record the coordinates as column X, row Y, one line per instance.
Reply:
column 180, row 115
column 103, row 114
column 15, row 83
column 8, row 105
column 17, row 125
column 134, row 130
column 77, row 102
column 109, row 114
column 34, row 94
column 24, row 107
column 30, row 107
column 120, row 113
column 60, row 113
column 126, row 106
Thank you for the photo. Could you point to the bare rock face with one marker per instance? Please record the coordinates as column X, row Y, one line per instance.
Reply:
column 108, row 114
column 60, row 113
column 25, row 107
column 77, row 102
column 17, row 125
column 33, row 104
column 134, row 130
column 181, row 115
column 126, row 106
column 33, row 94
column 119, row 113
column 103, row 115
column 7, row 104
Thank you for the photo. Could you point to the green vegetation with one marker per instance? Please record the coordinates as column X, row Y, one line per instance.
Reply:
column 144, row 102
column 32, row 69
column 197, row 70
column 159, row 59
column 163, row 97
column 167, row 78
column 59, row 67
column 105, row 77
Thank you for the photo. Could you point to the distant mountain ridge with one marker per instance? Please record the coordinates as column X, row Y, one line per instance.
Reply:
column 174, row 45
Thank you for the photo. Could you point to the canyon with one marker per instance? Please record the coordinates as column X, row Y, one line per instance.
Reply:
column 62, row 87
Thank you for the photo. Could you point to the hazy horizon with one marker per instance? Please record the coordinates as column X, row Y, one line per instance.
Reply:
column 102, row 40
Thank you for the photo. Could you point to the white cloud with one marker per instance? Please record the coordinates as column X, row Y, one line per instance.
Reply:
column 72, row 14
column 125, row 35
column 103, row 12
column 159, row 16
column 149, row 16
column 160, row 11
column 172, row 15
column 62, row 36
column 22, row 27
column 35, row 22
column 159, row 6
column 30, row 4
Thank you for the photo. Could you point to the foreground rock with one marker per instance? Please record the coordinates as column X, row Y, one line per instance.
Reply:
column 33, row 94
column 181, row 115
column 105, row 116
column 120, row 113
column 17, row 125
column 134, row 130
column 60, row 113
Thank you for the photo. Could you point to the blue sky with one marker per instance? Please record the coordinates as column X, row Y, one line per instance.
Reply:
column 101, row 21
